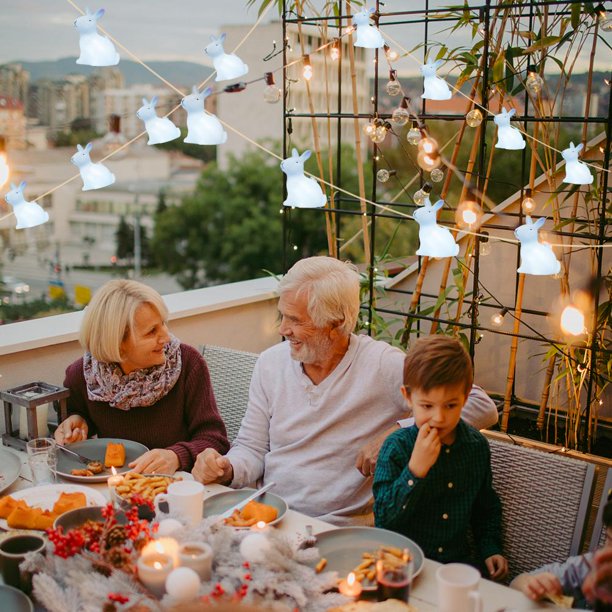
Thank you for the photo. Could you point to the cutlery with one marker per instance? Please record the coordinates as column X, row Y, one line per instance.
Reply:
column 81, row 458
column 245, row 501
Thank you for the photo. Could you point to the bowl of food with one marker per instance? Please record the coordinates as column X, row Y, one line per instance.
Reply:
column 78, row 517
column 268, row 508
column 141, row 489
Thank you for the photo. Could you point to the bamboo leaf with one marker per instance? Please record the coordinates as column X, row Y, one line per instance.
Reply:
column 498, row 67
column 442, row 52
column 509, row 68
column 575, row 18
column 543, row 43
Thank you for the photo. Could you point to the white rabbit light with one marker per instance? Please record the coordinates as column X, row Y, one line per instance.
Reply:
column 159, row 129
column 29, row 214
column 228, row 65
column 576, row 172
column 96, row 50
column 95, row 176
column 202, row 128
column 536, row 258
column 508, row 137
column 302, row 191
column 367, row 35
column 434, row 88
column 434, row 241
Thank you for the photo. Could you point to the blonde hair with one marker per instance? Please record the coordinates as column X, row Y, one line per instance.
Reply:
column 332, row 290
column 109, row 317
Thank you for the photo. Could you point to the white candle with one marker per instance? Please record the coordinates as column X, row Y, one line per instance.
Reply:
column 165, row 546
column 153, row 569
column 350, row 587
column 112, row 483
column 197, row 556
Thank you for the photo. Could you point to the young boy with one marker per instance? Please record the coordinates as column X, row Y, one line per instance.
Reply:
column 568, row 578
column 433, row 480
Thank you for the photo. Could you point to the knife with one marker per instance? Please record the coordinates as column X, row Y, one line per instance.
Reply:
column 245, row 501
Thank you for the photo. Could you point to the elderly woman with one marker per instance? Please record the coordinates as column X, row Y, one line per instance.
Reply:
column 137, row 381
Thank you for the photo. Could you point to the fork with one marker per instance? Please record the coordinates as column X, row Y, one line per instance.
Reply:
column 81, row 458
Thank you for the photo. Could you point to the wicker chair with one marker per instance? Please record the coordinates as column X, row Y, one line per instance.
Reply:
column 598, row 536
column 230, row 372
column 545, row 501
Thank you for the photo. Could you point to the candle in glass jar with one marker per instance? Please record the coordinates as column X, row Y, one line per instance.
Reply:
column 153, row 569
column 350, row 587
column 166, row 546
column 198, row 557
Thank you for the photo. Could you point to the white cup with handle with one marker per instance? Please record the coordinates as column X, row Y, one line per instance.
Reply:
column 185, row 499
column 458, row 588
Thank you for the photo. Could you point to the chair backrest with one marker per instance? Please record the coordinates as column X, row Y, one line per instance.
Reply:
column 598, row 536
column 230, row 372
column 545, row 501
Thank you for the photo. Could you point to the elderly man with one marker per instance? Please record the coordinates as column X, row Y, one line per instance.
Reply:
column 321, row 404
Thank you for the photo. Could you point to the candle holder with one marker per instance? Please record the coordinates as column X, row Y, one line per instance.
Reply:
column 30, row 396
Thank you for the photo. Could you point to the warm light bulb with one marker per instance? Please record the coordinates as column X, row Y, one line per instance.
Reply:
column 428, row 145
column 572, row 321
column 380, row 133
column 474, row 118
column 307, row 72
column 334, row 52
column 605, row 24
column 369, row 129
column 400, row 116
column 428, row 161
column 528, row 205
column 4, row 169
column 393, row 87
column 469, row 217
column 419, row 197
column 534, row 82
column 468, row 213
column 383, row 175
column 498, row 318
column 349, row 30
column 436, row 175
column 414, row 135
column 391, row 54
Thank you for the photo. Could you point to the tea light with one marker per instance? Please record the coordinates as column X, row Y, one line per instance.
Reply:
column 183, row 584
column 153, row 569
column 260, row 526
column 113, row 481
column 255, row 547
column 197, row 556
column 350, row 587
column 167, row 527
column 165, row 546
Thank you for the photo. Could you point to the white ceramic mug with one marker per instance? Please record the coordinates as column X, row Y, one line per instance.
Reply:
column 458, row 588
column 184, row 498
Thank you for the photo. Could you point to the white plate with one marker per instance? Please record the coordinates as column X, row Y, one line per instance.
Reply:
column 45, row 497
column 10, row 468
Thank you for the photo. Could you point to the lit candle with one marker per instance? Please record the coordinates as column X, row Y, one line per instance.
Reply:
column 351, row 587
column 153, row 569
column 260, row 526
column 197, row 556
column 112, row 483
column 164, row 546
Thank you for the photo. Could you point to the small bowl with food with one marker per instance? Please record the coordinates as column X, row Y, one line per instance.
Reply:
column 267, row 508
column 141, row 489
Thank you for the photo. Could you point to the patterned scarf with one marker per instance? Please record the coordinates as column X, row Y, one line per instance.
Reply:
column 106, row 382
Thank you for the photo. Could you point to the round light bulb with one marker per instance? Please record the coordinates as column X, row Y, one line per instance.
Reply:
column 605, row 24
column 534, row 83
column 468, row 214
column 497, row 319
column 380, row 133
column 383, row 175
column 413, row 136
column 391, row 54
column 528, row 205
column 469, row 217
column 428, row 145
column 428, row 162
column 400, row 116
column 334, row 54
column 485, row 248
column 307, row 72
column 419, row 197
column 572, row 321
column 474, row 118
column 369, row 129
column 436, row 175
column 272, row 94
column 393, row 88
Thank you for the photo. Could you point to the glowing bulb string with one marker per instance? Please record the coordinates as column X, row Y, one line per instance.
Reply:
column 486, row 110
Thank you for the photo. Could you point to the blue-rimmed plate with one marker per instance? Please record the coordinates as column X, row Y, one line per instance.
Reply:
column 10, row 468
column 343, row 548
column 14, row 600
column 95, row 448
column 219, row 503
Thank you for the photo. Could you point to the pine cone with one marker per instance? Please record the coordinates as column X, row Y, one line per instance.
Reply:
column 115, row 537
column 102, row 568
column 118, row 558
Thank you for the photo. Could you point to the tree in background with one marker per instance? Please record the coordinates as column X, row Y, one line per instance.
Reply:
column 124, row 237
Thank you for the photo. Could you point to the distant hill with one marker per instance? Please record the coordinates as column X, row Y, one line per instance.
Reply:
column 183, row 74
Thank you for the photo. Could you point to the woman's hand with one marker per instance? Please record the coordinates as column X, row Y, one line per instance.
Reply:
column 73, row 429
column 156, row 461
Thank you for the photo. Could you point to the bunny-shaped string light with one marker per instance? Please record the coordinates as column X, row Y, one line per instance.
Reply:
column 159, row 129
column 434, row 88
column 367, row 35
column 95, row 176
column 227, row 65
column 28, row 214
column 302, row 191
column 508, row 137
column 434, row 241
column 536, row 258
column 202, row 128
column 576, row 172
column 96, row 50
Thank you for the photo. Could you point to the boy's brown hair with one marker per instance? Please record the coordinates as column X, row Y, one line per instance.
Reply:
column 437, row 360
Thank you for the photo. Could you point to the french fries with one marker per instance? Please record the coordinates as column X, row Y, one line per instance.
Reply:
column 390, row 556
column 145, row 485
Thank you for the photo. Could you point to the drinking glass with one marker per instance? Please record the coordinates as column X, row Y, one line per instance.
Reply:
column 42, row 457
column 393, row 581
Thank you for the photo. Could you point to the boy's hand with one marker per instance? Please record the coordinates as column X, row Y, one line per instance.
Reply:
column 497, row 566
column 426, row 451
column 538, row 586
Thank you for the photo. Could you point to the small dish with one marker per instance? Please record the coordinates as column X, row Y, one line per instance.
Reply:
column 219, row 503
column 75, row 518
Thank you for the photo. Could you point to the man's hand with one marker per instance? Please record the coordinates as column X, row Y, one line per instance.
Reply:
column 597, row 585
column 497, row 566
column 426, row 451
column 73, row 429
column 366, row 460
column 156, row 461
column 210, row 466
column 537, row 586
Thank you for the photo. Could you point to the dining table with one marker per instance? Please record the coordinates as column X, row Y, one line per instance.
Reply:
column 496, row 597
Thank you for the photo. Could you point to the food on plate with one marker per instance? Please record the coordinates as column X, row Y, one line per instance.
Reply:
column 390, row 556
column 82, row 472
column 115, row 455
column 390, row 605
column 96, row 467
column 145, row 485
column 251, row 514
column 320, row 566
column 561, row 601
column 20, row 515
